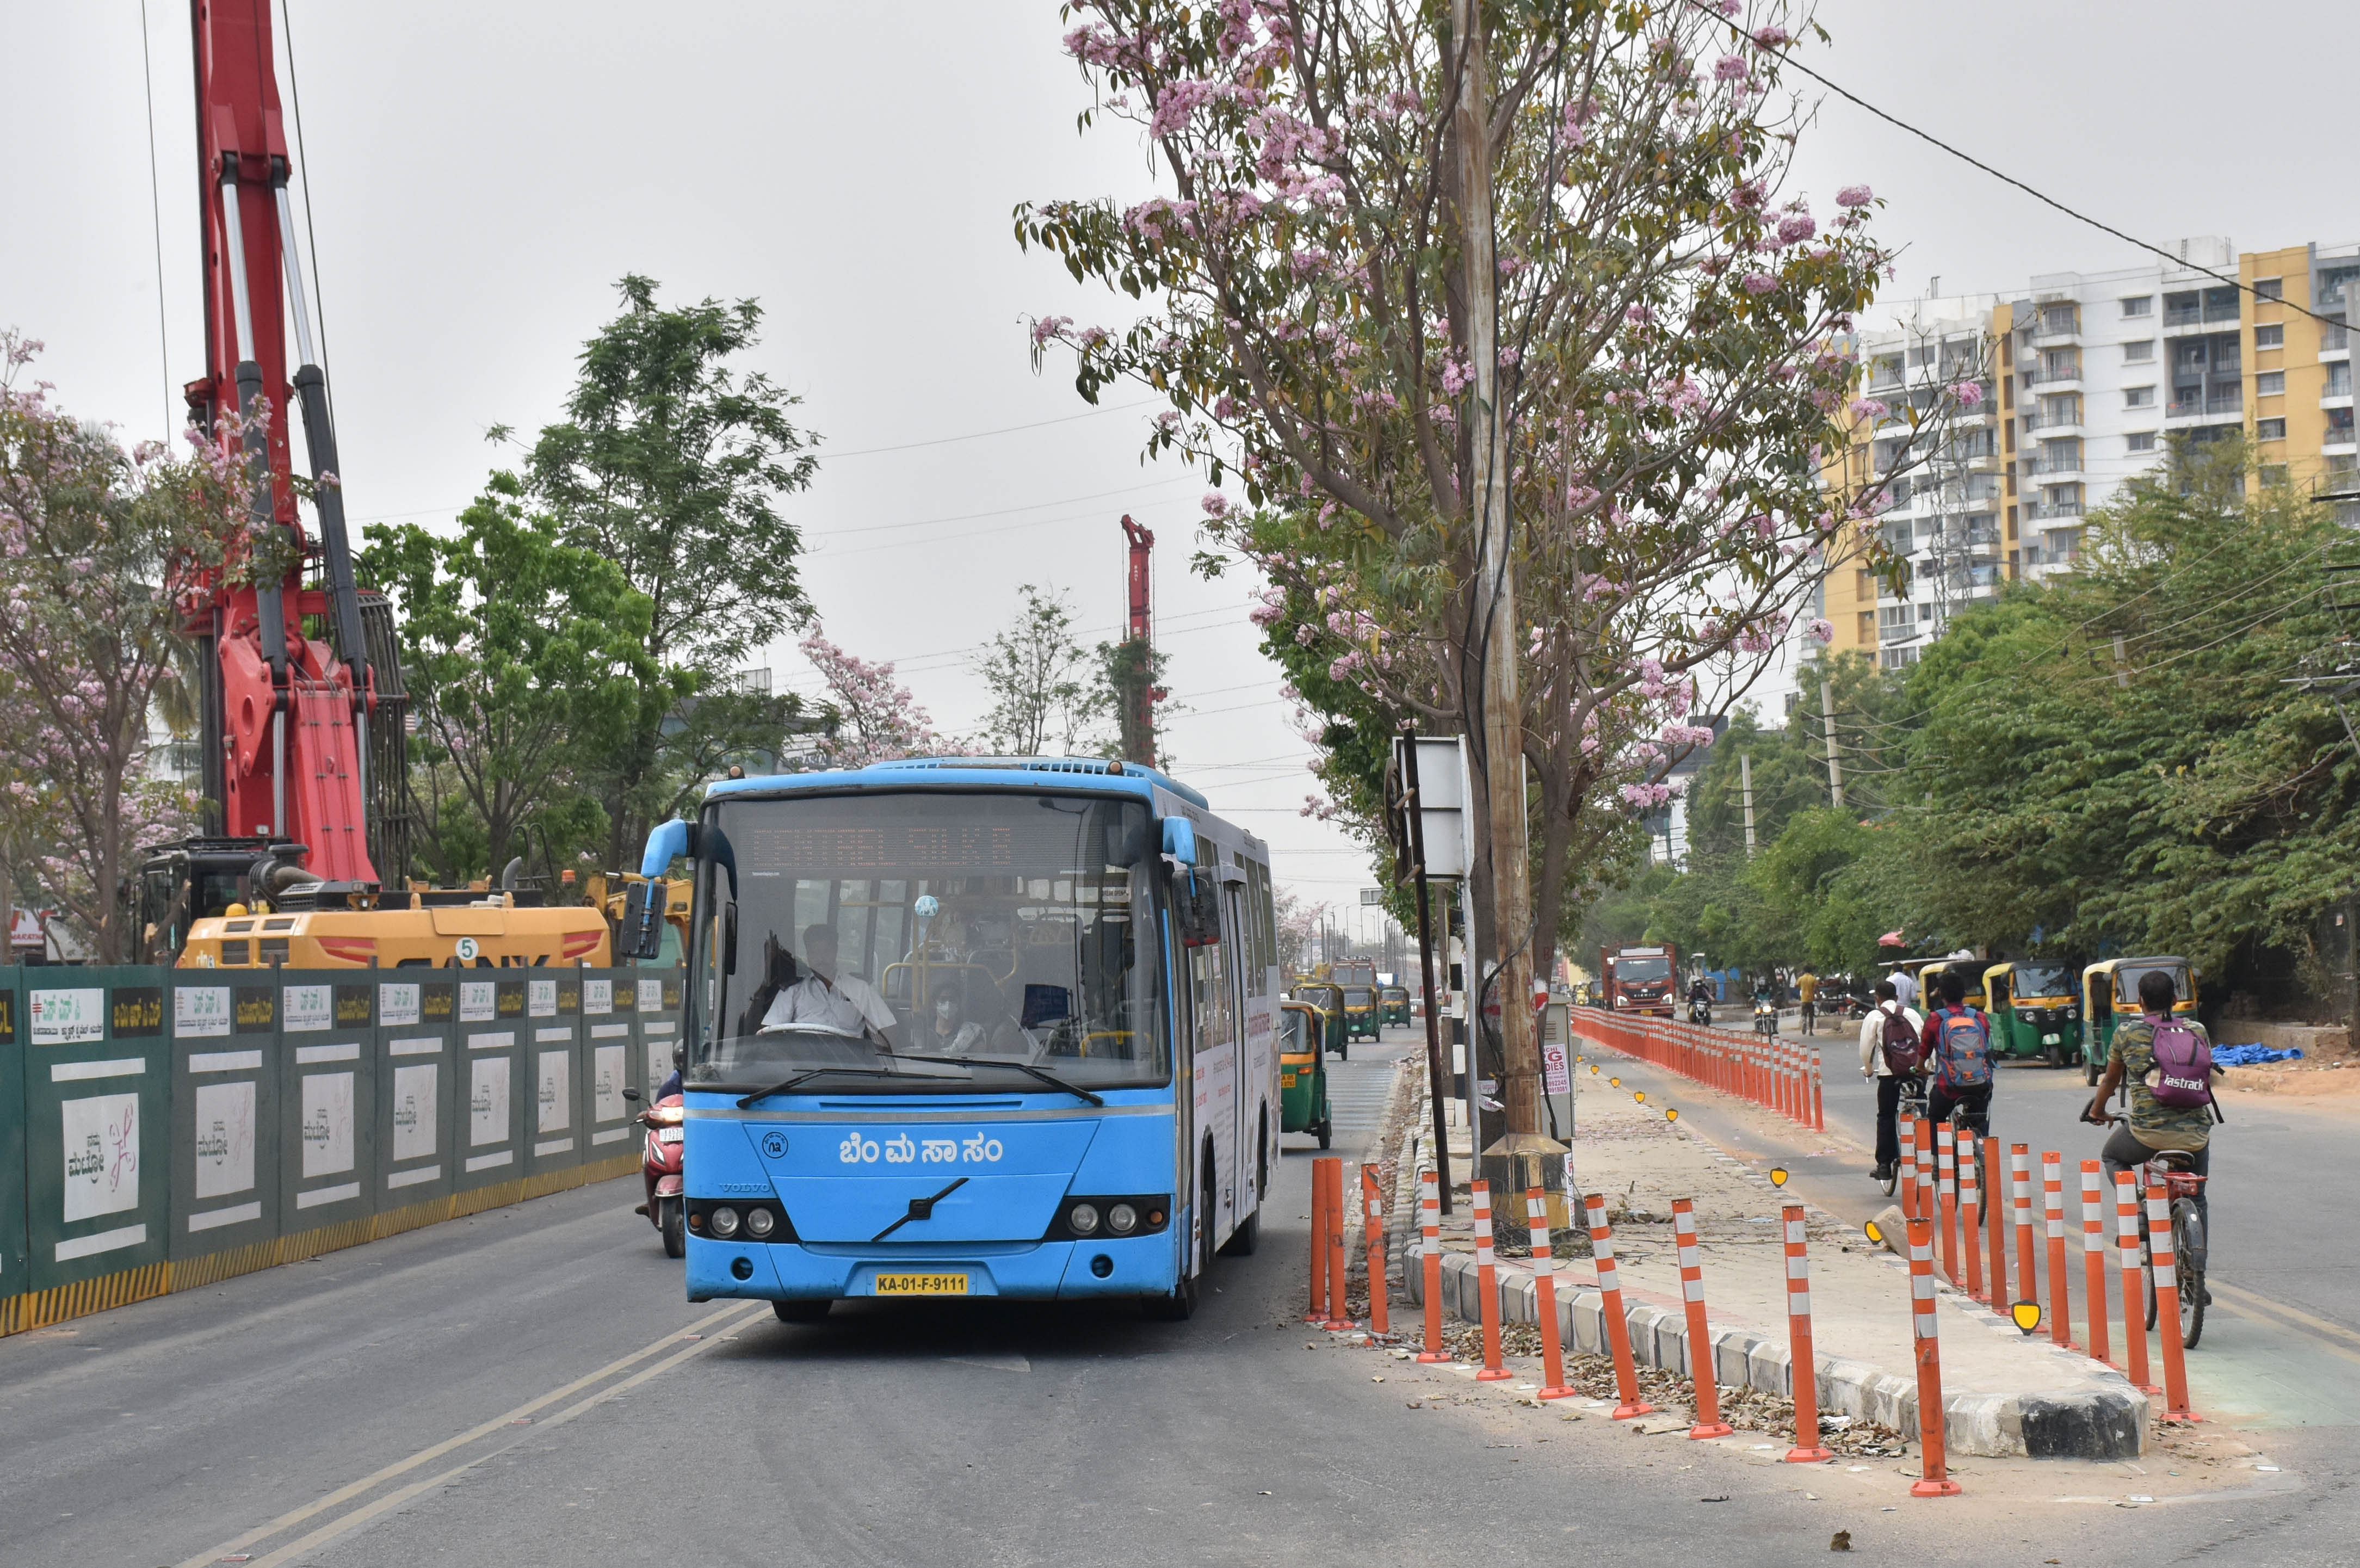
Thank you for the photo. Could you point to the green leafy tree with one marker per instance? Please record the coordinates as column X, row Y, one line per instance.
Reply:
column 527, row 664
column 672, row 464
column 1046, row 690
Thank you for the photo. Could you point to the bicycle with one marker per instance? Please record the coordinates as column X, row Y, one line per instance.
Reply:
column 1913, row 1107
column 2173, row 1171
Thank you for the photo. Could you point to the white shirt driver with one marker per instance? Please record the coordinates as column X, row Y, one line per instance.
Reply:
column 841, row 1004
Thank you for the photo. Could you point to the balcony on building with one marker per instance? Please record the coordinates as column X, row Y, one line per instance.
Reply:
column 2059, row 377
column 2197, row 308
column 2052, row 511
column 2056, row 324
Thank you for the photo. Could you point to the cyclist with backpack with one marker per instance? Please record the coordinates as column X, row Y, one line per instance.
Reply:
column 1889, row 1057
column 2175, row 1111
column 1957, row 1043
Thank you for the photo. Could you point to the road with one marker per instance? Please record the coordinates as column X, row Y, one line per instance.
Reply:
column 518, row 1388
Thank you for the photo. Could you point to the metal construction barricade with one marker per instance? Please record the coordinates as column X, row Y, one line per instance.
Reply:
column 226, row 1119
column 491, row 1081
column 98, row 1087
column 327, row 1106
column 15, row 1279
column 553, row 1139
column 612, row 1048
column 418, row 1125
column 655, row 1003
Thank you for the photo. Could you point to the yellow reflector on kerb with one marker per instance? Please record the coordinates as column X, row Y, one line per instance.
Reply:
column 1671, row 1112
column 1640, row 1095
column 1777, row 1175
column 1615, row 1081
column 1874, row 1232
column 2026, row 1315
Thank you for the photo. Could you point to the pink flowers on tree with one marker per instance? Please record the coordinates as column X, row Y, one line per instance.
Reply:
column 876, row 720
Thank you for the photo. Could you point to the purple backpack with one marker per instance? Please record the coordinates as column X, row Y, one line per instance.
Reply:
column 2183, row 1066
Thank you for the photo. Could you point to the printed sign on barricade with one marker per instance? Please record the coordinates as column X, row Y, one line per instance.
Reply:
column 15, row 1273
column 612, row 1049
column 327, row 1117
column 553, row 1136
column 495, row 1097
column 417, row 1078
column 226, row 1093
column 97, row 1091
column 655, row 1004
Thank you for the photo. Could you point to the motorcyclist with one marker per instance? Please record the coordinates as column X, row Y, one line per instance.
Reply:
column 2152, row 1128
column 1700, row 997
column 1877, row 1069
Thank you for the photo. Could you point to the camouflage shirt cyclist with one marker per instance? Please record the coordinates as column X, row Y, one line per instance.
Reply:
column 2158, row 1126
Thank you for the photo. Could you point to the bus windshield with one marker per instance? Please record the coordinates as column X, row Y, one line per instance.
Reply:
column 1642, row 972
column 1001, row 935
column 2042, row 979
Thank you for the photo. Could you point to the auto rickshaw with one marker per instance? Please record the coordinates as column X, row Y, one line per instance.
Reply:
column 1328, row 998
column 1360, row 1019
column 1302, row 1072
column 2110, row 994
column 2034, row 1012
column 1393, row 1004
column 1930, row 979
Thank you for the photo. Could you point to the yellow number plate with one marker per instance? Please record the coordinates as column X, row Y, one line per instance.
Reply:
column 922, row 1285
column 1286, row 1080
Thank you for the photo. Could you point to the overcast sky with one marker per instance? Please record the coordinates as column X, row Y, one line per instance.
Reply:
column 480, row 174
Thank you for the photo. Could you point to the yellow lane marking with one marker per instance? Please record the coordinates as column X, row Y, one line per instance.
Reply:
column 727, row 1317
column 2289, row 1317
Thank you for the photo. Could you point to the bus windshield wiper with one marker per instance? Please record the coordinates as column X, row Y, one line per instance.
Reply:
column 808, row 1075
column 1044, row 1074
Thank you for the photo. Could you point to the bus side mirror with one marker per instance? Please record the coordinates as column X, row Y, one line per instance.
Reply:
column 1196, row 899
column 643, row 912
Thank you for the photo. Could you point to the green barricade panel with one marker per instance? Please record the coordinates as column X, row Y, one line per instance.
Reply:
column 656, row 1007
column 612, row 1052
column 327, row 1108
column 97, row 1118
column 492, row 1085
column 418, row 1092
column 555, row 1139
column 225, row 1098
column 15, row 1274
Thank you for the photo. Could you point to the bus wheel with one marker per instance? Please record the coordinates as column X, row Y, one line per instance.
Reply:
column 1245, row 1238
column 802, row 1312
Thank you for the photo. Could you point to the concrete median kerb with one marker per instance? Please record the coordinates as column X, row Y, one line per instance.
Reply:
column 2051, row 1405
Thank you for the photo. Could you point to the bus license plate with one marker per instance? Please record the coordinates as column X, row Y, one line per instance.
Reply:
column 922, row 1285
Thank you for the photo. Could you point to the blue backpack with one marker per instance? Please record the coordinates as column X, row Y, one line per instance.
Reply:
column 1962, row 1049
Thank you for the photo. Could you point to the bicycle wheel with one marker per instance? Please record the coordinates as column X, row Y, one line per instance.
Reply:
column 2188, row 1270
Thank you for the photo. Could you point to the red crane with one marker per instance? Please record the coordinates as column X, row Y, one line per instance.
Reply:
column 1139, row 724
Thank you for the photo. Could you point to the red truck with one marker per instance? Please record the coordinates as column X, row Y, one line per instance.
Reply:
column 1640, row 980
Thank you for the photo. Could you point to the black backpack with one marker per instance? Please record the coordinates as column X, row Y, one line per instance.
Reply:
column 1903, row 1050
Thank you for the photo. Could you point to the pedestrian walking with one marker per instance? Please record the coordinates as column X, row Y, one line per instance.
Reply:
column 1889, row 1054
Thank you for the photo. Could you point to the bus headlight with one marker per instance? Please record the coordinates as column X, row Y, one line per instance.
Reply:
column 1122, row 1219
column 724, row 1222
column 1082, row 1218
column 760, row 1223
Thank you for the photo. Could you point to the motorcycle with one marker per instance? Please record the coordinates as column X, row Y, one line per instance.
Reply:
column 1700, row 1011
column 660, row 1168
column 1765, row 1016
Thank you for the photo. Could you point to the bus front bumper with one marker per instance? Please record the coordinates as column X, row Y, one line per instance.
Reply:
column 1058, row 1270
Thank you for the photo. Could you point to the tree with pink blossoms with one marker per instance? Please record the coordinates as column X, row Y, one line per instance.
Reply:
column 97, row 548
column 870, row 717
column 1524, row 351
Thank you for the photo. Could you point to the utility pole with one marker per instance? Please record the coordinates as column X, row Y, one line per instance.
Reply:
column 1746, row 783
column 1523, row 1157
column 1437, row 1081
column 1828, row 718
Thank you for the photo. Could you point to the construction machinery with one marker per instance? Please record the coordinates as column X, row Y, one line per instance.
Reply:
column 304, row 756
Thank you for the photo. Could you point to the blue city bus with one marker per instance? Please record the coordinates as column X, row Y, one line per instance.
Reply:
column 973, row 1028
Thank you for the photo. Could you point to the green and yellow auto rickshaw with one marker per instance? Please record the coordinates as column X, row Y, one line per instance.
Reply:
column 2110, row 995
column 1929, row 980
column 1302, row 1072
column 2034, row 1012
column 1393, row 1004
column 1328, row 998
column 1360, row 1018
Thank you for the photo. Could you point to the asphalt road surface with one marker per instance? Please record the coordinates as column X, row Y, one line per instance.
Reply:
column 520, row 1389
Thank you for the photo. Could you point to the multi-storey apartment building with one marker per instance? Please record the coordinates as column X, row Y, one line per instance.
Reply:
column 2088, row 379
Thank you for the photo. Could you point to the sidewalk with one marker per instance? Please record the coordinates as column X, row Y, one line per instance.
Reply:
column 2004, row 1393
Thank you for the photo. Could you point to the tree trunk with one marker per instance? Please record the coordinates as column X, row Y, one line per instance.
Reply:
column 1499, row 772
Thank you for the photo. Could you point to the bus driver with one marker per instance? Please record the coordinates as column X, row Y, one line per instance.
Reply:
column 823, row 999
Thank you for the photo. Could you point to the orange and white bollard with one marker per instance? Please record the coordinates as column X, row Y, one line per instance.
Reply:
column 1927, row 1209
column 1373, row 1232
column 1704, row 1374
column 1907, row 1127
column 1553, row 1385
column 1934, row 1473
column 1317, row 1311
column 1487, row 1286
column 2019, row 1177
column 2060, row 1285
column 1340, row 1312
column 1970, row 1208
column 1946, row 1164
column 2093, row 1260
column 2167, row 1307
column 1818, row 1099
column 1429, row 1224
column 1803, row 1367
column 2126, row 1241
column 1618, row 1327
column 1996, row 1224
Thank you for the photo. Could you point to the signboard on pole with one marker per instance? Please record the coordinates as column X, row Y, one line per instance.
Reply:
column 1442, row 792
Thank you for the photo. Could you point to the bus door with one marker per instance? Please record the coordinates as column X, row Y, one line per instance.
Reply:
column 1253, row 1049
column 1214, row 1074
